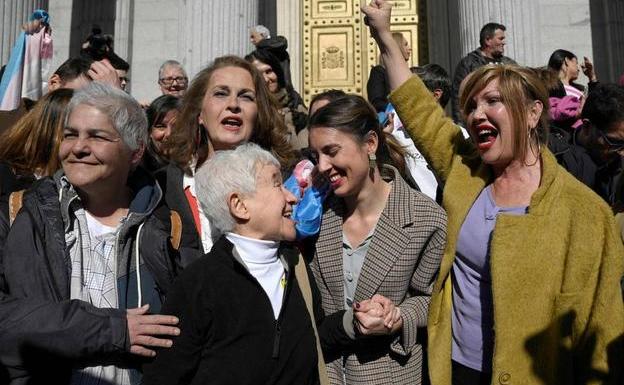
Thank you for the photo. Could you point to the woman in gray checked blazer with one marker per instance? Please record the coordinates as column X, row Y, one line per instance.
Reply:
column 378, row 237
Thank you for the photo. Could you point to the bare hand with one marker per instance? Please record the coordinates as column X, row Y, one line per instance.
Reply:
column 588, row 69
column 377, row 316
column 103, row 72
column 143, row 328
column 377, row 16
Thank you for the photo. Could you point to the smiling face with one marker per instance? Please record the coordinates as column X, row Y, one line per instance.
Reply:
column 490, row 125
column 161, row 130
column 229, row 108
column 93, row 155
column 571, row 69
column 270, row 77
column 270, row 207
column 342, row 159
column 173, row 81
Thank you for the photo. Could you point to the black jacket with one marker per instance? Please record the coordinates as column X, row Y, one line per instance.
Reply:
column 229, row 333
column 171, row 180
column 466, row 65
column 40, row 327
column 571, row 156
column 378, row 88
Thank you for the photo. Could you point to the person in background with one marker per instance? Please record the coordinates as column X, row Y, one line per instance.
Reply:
column 438, row 82
column 377, row 87
column 261, row 38
column 378, row 237
column 172, row 78
column 86, row 252
column 602, row 135
column 289, row 102
column 501, row 311
column 227, row 104
column 29, row 149
column 324, row 98
column 565, row 64
column 162, row 114
column 492, row 41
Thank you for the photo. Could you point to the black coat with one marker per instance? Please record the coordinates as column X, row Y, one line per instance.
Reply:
column 378, row 88
column 42, row 332
column 170, row 179
column 228, row 331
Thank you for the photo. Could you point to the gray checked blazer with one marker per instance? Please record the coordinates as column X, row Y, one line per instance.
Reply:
column 401, row 264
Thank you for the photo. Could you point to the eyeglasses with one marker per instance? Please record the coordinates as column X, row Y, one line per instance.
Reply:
column 614, row 145
column 169, row 81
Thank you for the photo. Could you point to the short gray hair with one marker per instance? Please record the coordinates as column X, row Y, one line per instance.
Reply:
column 125, row 113
column 262, row 30
column 170, row 63
column 227, row 172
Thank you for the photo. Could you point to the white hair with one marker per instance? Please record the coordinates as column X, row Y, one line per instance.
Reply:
column 170, row 63
column 125, row 113
column 227, row 172
column 262, row 30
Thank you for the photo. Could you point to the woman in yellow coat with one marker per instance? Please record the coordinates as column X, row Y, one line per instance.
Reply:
column 528, row 291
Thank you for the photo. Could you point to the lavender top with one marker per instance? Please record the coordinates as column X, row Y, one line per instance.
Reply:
column 472, row 316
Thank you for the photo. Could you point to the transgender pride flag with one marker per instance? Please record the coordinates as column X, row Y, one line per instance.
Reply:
column 26, row 74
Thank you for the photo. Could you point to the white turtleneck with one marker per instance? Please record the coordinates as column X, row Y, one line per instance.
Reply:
column 260, row 258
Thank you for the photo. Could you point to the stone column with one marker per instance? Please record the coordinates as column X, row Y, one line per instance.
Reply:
column 520, row 17
column 289, row 23
column 124, row 16
column 13, row 14
column 607, row 22
column 61, row 21
column 209, row 29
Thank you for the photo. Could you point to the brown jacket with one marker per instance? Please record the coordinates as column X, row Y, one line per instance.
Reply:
column 401, row 264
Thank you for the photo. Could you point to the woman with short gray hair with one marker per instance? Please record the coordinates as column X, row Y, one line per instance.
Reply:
column 88, row 236
column 242, row 299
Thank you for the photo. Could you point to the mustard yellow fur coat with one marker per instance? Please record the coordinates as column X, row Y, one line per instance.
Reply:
column 558, row 310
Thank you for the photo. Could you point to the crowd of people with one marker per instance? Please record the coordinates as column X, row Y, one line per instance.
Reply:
column 225, row 233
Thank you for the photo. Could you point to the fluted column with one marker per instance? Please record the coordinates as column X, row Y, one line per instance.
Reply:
column 209, row 29
column 289, row 23
column 520, row 17
column 13, row 14
column 124, row 12
column 607, row 20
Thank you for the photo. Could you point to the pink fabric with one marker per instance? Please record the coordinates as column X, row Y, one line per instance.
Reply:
column 565, row 109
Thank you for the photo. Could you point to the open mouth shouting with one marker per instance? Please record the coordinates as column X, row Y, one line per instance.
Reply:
column 486, row 136
column 232, row 123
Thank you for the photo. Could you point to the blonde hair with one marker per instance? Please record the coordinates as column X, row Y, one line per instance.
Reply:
column 519, row 87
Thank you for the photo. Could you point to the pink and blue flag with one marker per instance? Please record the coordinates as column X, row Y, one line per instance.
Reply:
column 26, row 74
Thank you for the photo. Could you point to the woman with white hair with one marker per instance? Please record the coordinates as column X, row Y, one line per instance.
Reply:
column 242, row 312
column 85, row 240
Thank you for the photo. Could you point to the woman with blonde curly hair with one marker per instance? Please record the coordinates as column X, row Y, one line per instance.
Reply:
column 227, row 104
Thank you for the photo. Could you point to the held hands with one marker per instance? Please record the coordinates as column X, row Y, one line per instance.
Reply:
column 377, row 316
column 143, row 329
